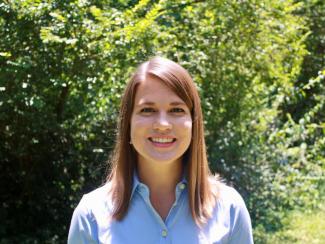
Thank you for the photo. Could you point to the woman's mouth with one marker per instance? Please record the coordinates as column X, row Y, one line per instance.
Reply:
column 162, row 141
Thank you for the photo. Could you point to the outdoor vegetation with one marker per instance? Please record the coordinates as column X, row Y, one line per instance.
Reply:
column 259, row 66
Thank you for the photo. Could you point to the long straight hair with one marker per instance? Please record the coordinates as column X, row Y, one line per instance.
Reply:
column 202, row 196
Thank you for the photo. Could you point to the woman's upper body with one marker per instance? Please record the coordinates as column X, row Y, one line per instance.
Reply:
column 91, row 223
column 159, row 190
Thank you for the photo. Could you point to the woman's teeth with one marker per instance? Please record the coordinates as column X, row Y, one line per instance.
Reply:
column 162, row 140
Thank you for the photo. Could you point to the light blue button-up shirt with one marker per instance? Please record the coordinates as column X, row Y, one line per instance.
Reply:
column 91, row 221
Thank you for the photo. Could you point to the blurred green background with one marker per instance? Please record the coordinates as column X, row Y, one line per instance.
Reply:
column 259, row 66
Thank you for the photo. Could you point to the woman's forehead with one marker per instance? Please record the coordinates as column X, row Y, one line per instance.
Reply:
column 153, row 90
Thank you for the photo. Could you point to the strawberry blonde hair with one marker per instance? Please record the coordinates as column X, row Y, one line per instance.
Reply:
column 123, row 160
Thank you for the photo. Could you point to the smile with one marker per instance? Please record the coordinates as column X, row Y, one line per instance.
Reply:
column 162, row 141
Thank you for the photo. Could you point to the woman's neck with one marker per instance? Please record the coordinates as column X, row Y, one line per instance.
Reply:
column 160, row 178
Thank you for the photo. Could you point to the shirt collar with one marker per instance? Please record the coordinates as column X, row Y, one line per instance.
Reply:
column 136, row 182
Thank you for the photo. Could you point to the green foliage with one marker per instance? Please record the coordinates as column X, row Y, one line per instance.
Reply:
column 63, row 66
column 299, row 227
column 289, row 146
column 290, row 160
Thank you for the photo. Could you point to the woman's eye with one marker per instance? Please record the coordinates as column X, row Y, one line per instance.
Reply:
column 177, row 110
column 147, row 110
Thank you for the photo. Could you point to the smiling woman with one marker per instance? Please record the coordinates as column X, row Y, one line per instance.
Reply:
column 160, row 189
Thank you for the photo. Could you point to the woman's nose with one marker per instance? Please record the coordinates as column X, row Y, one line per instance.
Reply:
column 162, row 122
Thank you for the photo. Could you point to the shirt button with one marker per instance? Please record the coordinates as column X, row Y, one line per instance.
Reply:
column 182, row 186
column 164, row 233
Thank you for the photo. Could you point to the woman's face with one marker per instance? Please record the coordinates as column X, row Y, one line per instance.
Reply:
column 161, row 124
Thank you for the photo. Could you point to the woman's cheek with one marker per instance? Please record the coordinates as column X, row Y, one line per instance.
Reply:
column 140, row 121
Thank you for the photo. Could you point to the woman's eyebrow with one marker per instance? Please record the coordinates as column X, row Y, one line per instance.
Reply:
column 177, row 103
column 149, row 103
column 141, row 103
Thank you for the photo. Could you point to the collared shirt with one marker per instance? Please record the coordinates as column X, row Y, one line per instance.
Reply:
column 91, row 221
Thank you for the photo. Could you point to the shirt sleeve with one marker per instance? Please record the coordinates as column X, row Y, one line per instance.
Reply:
column 241, row 222
column 83, row 227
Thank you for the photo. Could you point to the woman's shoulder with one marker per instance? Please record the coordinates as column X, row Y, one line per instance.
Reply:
column 99, row 191
column 92, row 211
column 97, row 199
column 231, row 209
column 230, row 195
column 226, row 195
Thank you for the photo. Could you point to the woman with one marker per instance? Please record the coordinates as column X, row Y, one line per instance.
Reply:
column 160, row 189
